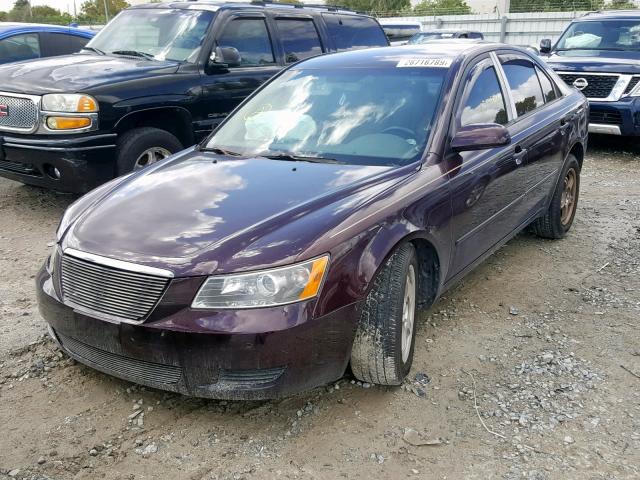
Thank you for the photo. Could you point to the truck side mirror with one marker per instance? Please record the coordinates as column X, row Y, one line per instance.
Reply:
column 224, row 57
column 545, row 45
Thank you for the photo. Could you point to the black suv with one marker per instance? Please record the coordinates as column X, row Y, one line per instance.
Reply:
column 158, row 78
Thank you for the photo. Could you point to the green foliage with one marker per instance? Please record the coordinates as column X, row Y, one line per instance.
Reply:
column 621, row 5
column 442, row 7
column 555, row 5
column 92, row 11
column 374, row 6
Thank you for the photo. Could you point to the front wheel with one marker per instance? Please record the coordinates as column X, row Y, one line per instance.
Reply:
column 382, row 350
column 557, row 220
column 141, row 147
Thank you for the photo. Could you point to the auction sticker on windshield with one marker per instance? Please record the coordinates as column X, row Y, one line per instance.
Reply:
column 425, row 62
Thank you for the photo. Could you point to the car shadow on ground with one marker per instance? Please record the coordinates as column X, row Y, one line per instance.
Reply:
column 612, row 144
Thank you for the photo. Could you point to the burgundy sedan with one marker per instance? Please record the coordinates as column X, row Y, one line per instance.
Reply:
column 301, row 238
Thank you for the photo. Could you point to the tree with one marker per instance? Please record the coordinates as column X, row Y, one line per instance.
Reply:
column 20, row 11
column 442, row 7
column 93, row 10
column 45, row 14
column 555, row 5
column 621, row 5
column 374, row 6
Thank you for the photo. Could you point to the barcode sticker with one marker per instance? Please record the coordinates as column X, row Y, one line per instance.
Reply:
column 425, row 62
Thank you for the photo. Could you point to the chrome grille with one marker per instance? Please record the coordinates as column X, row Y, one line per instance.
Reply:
column 111, row 291
column 599, row 86
column 18, row 113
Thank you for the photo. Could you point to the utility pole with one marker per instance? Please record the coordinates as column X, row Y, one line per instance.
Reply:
column 106, row 11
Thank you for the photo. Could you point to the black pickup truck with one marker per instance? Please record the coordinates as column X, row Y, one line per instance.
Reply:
column 158, row 78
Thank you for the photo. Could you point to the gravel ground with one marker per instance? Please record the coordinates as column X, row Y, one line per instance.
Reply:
column 530, row 369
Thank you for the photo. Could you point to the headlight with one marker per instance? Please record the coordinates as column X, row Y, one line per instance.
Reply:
column 69, row 102
column 266, row 288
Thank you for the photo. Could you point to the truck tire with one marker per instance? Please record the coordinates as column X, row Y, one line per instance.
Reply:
column 557, row 220
column 382, row 350
column 143, row 146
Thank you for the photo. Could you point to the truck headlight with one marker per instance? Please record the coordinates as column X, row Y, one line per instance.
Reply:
column 68, row 123
column 277, row 286
column 69, row 103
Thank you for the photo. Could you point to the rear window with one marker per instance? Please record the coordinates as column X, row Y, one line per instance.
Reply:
column 352, row 32
column 523, row 80
column 299, row 38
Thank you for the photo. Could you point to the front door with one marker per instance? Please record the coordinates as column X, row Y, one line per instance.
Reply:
column 223, row 90
column 486, row 185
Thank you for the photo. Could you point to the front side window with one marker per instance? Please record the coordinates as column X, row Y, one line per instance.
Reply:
column 299, row 38
column 364, row 116
column 19, row 47
column 155, row 34
column 601, row 35
column 353, row 32
column 484, row 102
column 251, row 38
column 523, row 81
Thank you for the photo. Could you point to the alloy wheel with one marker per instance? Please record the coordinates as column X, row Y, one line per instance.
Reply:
column 151, row 156
column 408, row 313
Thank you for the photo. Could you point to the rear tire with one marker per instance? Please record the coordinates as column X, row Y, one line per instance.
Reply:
column 557, row 221
column 144, row 146
column 383, row 346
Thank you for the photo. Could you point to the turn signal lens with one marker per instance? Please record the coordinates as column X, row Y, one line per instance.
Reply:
column 68, row 123
column 87, row 104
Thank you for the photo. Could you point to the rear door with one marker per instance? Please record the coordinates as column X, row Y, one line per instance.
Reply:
column 486, row 185
column 298, row 37
column 19, row 47
column 54, row 44
column 222, row 90
column 539, row 128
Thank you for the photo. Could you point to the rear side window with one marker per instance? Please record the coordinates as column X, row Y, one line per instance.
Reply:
column 299, row 38
column 523, row 80
column 548, row 89
column 19, row 47
column 483, row 101
column 351, row 31
column 251, row 38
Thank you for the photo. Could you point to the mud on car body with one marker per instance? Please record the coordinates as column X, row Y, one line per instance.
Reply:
column 304, row 234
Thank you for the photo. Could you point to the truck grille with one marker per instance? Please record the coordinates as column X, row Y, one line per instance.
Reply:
column 121, row 366
column 632, row 84
column 111, row 291
column 608, row 117
column 600, row 86
column 18, row 113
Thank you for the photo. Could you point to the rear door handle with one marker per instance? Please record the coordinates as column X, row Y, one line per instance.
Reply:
column 519, row 154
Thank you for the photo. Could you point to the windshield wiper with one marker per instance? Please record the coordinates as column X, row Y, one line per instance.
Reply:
column 300, row 158
column 221, row 151
column 134, row 53
column 94, row 49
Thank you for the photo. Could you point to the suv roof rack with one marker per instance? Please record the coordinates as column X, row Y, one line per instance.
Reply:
column 612, row 12
column 272, row 3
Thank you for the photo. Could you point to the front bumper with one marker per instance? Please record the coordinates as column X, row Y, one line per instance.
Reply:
column 615, row 118
column 74, row 165
column 178, row 354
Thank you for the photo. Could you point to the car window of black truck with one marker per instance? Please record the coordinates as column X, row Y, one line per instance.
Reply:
column 350, row 31
column 299, row 38
column 251, row 38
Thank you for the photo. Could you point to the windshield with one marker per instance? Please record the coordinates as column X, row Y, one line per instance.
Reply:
column 351, row 115
column 601, row 35
column 160, row 34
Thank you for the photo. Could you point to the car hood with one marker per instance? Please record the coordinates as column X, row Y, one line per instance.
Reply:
column 604, row 61
column 201, row 213
column 76, row 73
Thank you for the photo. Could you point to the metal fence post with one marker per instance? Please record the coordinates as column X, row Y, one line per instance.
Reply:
column 503, row 28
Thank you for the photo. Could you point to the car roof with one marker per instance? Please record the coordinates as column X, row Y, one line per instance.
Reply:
column 14, row 28
column 215, row 5
column 610, row 15
column 448, row 30
column 390, row 56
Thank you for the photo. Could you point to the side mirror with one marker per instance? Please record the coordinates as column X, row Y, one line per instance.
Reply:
column 480, row 137
column 224, row 57
column 545, row 45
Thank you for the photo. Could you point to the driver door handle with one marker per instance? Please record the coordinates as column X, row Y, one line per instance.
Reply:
column 519, row 154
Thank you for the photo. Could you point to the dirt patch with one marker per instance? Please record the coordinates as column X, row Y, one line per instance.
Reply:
column 535, row 338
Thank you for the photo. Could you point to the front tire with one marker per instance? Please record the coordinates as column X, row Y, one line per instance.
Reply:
column 557, row 220
column 144, row 146
column 383, row 347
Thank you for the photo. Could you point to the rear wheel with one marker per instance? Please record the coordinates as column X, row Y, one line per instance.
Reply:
column 141, row 147
column 383, row 346
column 557, row 221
